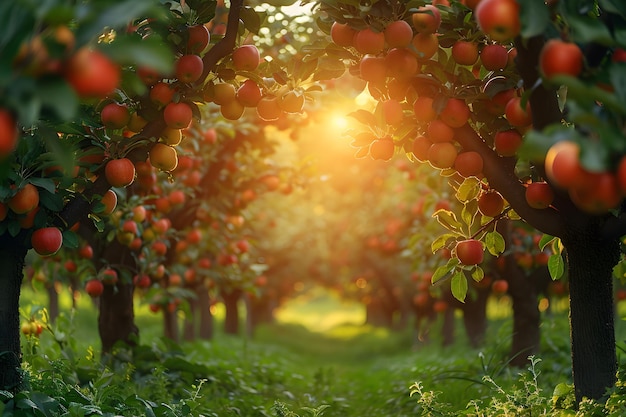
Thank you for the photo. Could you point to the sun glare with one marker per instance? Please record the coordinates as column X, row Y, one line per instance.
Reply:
column 340, row 121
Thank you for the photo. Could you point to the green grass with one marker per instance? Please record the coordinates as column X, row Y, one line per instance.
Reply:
column 317, row 352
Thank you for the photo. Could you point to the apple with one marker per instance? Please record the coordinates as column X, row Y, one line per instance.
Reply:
column 494, row 57
column 25, row 200
column 94, row 288
column 47, row 240
column 249, row 93
column 9, row 133
column 401, row 64
column 163, row 157
column 373, row 69
column 442, row 155
column 198, row 38
column 92, row 74
column 465, row 52
column 427, row 19
column 367, row 41
column 517, row 115
column 161, row 94
column 562, row 164
column 342, row 34
column 498, row 19
column 382, row 149
column 120, row 172
column 539, row 195
column 424, row 110
column 455, row 113
column 469, row 251
column 500, row 286
column 558, row 57
column 177, row 115
column 189, row 68
column 115, row 116
column 490, row 203
column 246, row 58
column 398, row 34
column 507, row 142
column 469, row 164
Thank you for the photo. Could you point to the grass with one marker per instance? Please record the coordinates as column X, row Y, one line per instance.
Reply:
column 319, row 352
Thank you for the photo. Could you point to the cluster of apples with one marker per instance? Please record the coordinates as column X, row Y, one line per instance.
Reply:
column 166, row 94
column 234, row 97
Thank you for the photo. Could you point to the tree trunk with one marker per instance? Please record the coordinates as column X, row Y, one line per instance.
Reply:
column 189, row 325
column 376, row 314
column 475, row 316
column 116, row 321
column 231, row 304
column 447, row 329
column 592, row 330
column 526, row 316
column 53, row 301
column 12, row 265
column 170, row 324
column 206, row 318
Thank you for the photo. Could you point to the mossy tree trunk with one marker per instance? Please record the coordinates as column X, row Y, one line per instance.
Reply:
column 12, row 258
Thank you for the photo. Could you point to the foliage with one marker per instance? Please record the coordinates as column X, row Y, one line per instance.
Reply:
column 350, row 371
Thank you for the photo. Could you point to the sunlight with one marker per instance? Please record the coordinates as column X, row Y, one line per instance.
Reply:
column 340, row 121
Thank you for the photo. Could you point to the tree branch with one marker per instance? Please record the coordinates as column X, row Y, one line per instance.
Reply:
column 227, row 44
column 500, row 173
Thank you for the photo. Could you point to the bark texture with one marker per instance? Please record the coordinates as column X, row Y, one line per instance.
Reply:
column 12, row 265
column 590, row 265
column 116, row 321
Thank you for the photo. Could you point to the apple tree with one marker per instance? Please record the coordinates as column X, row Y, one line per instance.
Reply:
column 524, row 99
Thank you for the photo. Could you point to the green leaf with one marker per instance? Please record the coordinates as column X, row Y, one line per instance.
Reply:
column 562, row 390
column 48, row 406
column 545, row 241
column 477, row 273
column 45, row 183
column 469, row 211
column 444, row 270
column 585, row 29
column 447, row 219
column 304, row 69
column 50, row 200
column 110, row 15
column 70, row 239
column 617, row 74
column 535, row 17
column 250, row 19
column 556, row 266
column 364, row 116
column 58, row 96
column 495, row 243
column 14, row 228
column 135, row 51
column 442, row 241
column 458, row 285
column 468, row 190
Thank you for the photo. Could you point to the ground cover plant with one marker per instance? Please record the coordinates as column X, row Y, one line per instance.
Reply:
column 343, row 370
